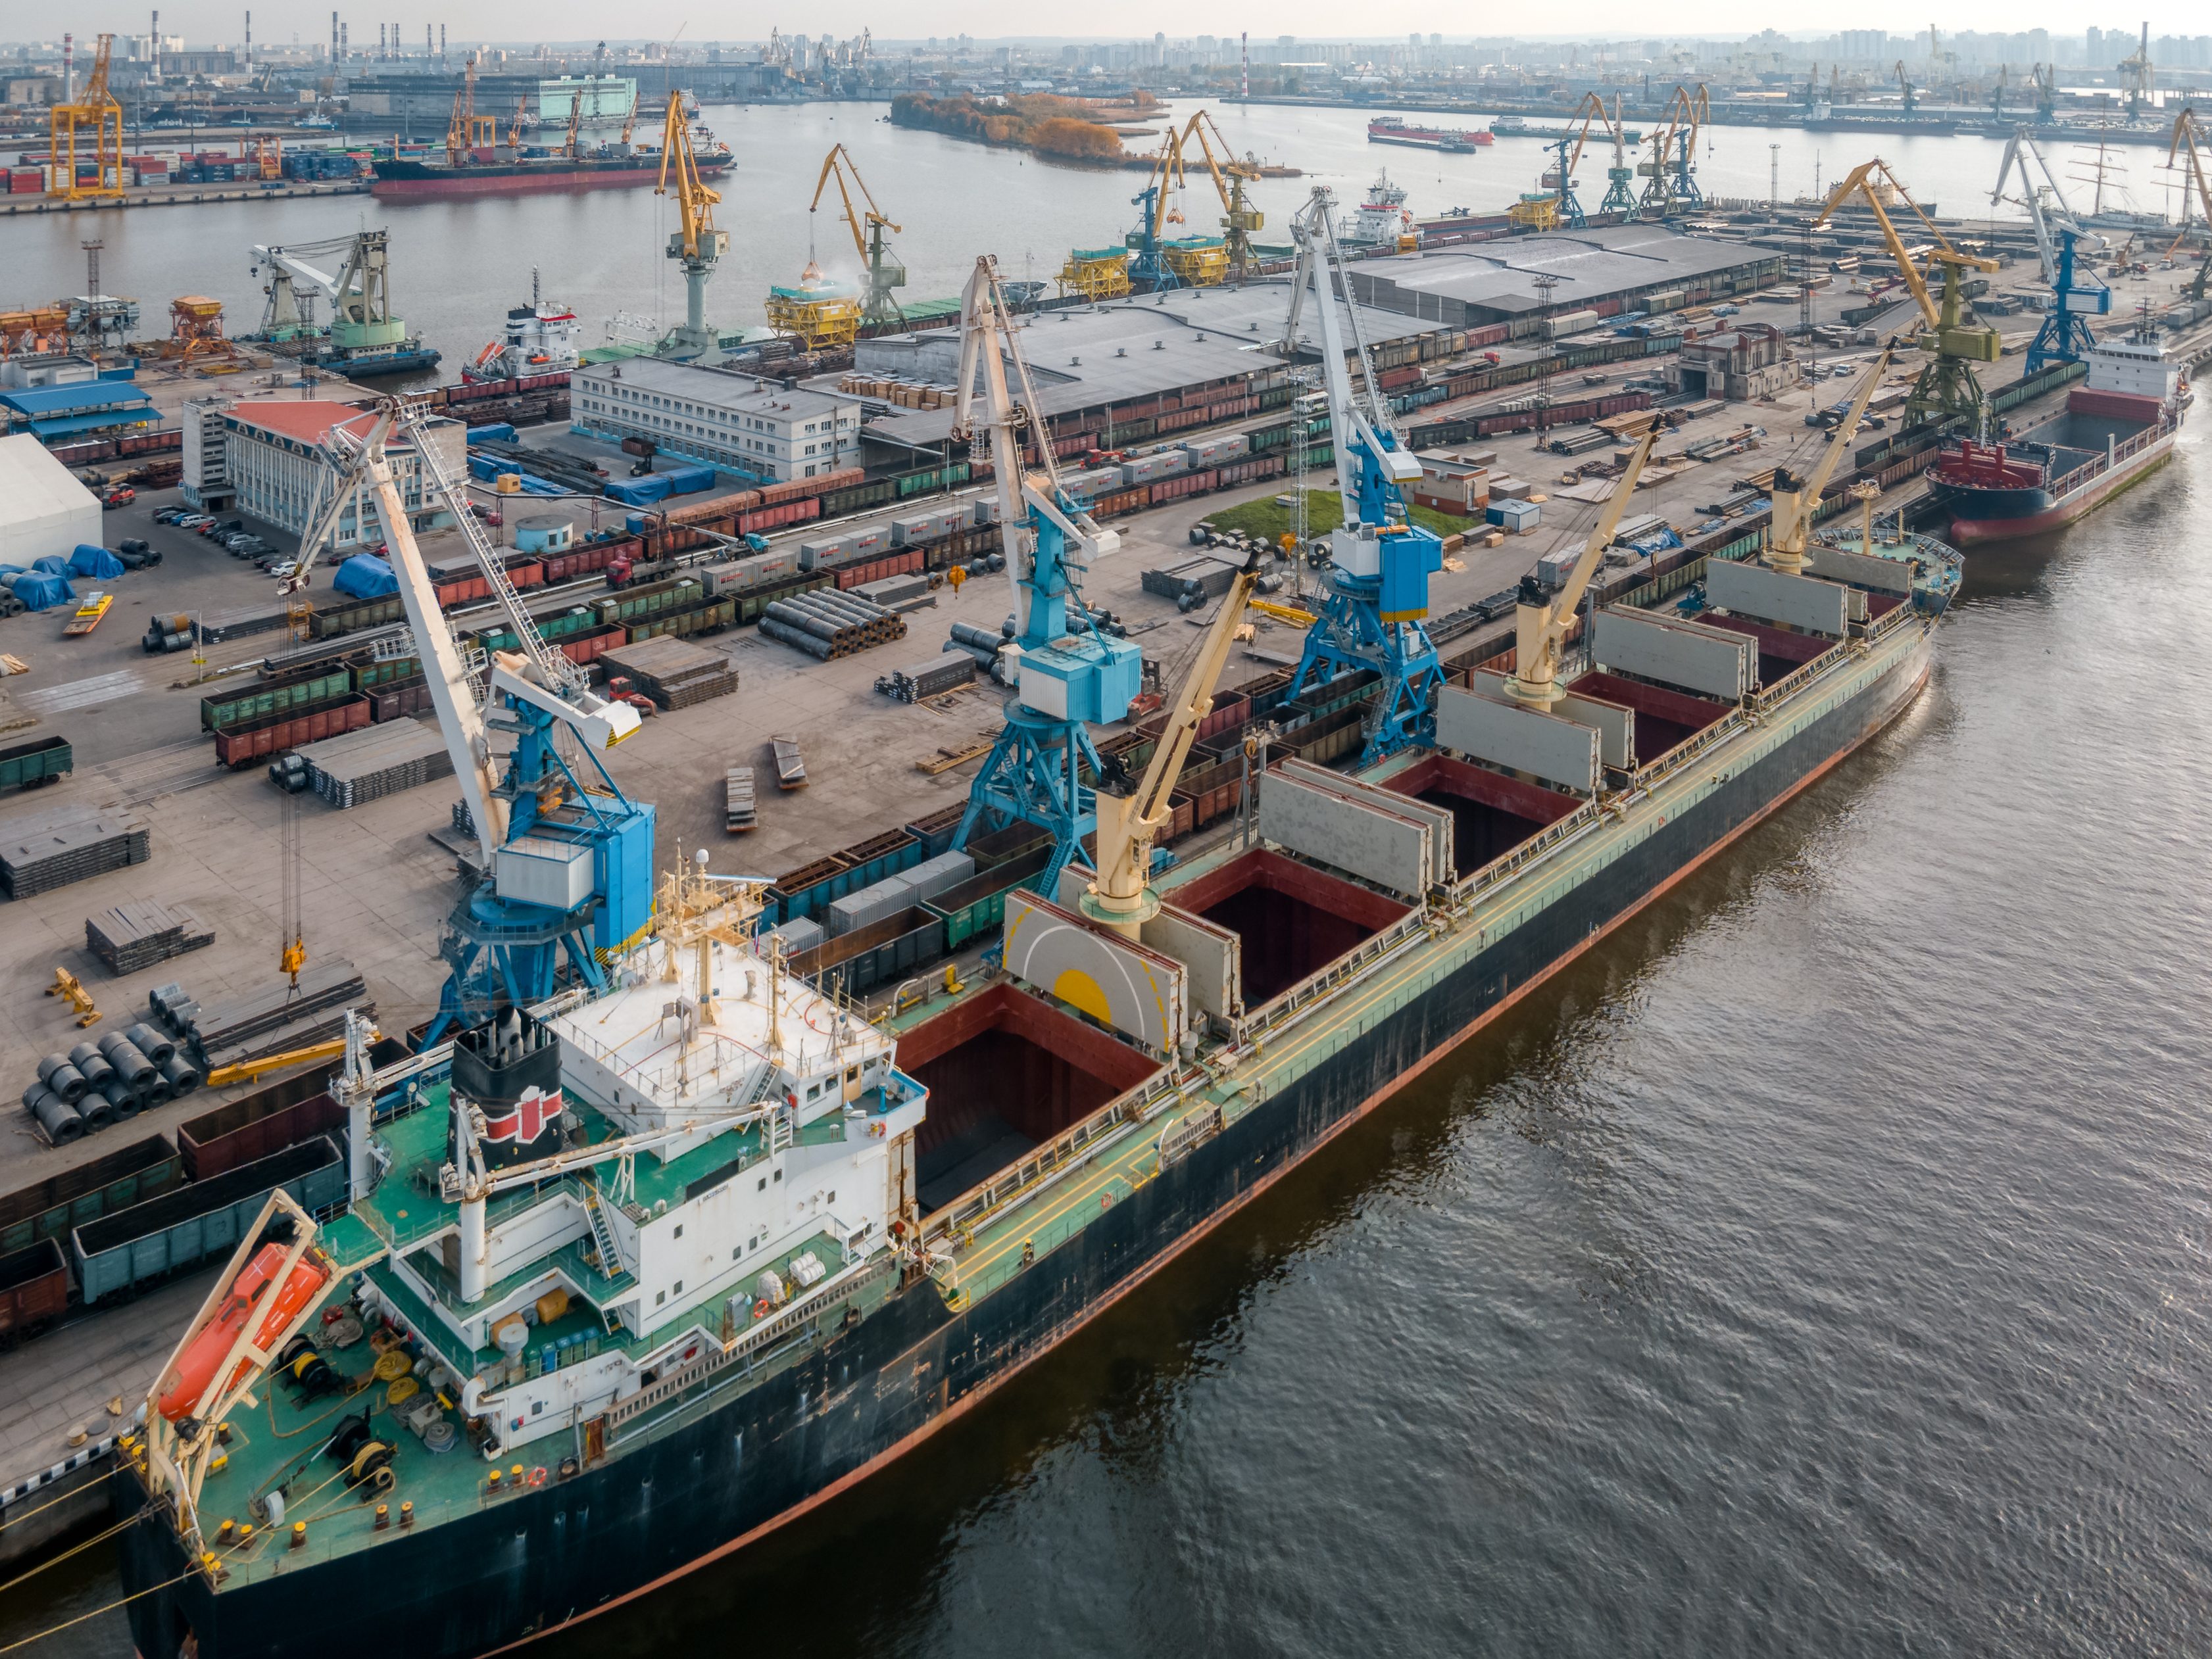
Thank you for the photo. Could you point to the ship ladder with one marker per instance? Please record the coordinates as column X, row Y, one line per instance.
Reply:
column 779, row 1133
column 603, row 1233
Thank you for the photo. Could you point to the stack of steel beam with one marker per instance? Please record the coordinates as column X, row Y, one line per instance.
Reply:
column 53, row 857
column 673, row 672
column 128, row 937
column 931, row 677
column 739, row 812
column 235, row 1023
column 365, row 766
column 828, row 624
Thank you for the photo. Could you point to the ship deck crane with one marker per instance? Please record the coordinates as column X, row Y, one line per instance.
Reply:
column 2137, row 66
column 1947, row 387
column 586, row 868
column 2187, row 130
column 1067, row 675
column 1376, row 587
column 1239, row 218
column 1904, row 84
column 467, row 132
column 570, row 143
column 1120, row 896
column 2076, row 291
column 1796, row 498
column 1541, row 619
column 95, row 108
column 878, row 303
column 695, row 244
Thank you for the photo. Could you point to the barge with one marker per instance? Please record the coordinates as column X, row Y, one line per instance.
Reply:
column 2117, row 428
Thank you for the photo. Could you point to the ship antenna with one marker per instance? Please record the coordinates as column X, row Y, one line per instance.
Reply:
column 533, row 287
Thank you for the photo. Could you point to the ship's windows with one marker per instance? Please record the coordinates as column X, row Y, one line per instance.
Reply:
column 679, row 1233
column 679, row 1287
column 764, row 1183
column 659, row 1297
column 537, row 1408
column 832, row 1198
column 779, row 1175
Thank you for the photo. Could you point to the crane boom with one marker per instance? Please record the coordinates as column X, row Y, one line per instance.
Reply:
column 836, row 164
column 1540, row 624
column 1796, row 498
column 695, row 198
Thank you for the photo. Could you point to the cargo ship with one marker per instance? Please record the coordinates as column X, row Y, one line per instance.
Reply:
column 632, row 1277
column 1393, row 130
column 2117, row 428
column 604, row 170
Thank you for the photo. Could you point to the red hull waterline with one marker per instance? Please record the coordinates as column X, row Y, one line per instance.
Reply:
column 512, row 184
column 1979, row 532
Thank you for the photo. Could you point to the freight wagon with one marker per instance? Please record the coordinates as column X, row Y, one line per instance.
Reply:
column 284, row 694
column 258, row 1125
column 31, row 766
column 201, row 1222
column 114, row 1180
column 881, row 953
column 238, row 747
column 34, row 1290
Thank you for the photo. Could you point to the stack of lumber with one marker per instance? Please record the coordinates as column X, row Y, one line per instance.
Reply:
column 128, row 937
column 674, row 673
column 738, row 800
column 365, row 766
column 38, row 860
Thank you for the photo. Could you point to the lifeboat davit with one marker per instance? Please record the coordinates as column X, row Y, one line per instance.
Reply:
column 195, row 1367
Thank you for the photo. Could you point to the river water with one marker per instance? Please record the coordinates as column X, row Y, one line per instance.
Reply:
column 1819, row 1265
column 458, row 266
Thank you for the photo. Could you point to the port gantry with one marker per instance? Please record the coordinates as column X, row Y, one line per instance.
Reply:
column 1947, row 388
column 2078, row 293
column 1670, row 176
column 1621, row 177
column 95, row 108
column 2187, row 130
column 696, row 245
column 1376, row 586
column 564, row 861
column 878, row 303
column 1239, row 218
column 1150, row 268
column 1067, row 675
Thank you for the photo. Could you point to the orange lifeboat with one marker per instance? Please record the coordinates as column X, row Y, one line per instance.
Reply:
column 195, row 1367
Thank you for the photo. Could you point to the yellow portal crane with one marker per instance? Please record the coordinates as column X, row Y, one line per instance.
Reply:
column 629, row 122
column 514, row 127
column 1239, row 218
column 1796, row 499
column 1619, row 190
column 95, row 108
column 1540, row 621
column 2187, row 129
column 466, row 131
column 696, row 243
column 576, row 125
column 878, row 302
column 1672, row 183
column 1948, row 385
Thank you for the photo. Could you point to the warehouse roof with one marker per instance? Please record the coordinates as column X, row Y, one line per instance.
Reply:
column 63, row 426
column 75, row 398
column 702, row 383
column 1498, row 279
column 43, row 508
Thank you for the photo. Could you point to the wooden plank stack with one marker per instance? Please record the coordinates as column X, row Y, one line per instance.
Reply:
column 360, row 766
column 38, row 860
column 674, row 673
column 128, row 937
column 738, row 803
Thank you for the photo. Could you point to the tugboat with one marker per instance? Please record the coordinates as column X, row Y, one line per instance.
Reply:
column 2117, row 426
column 540, row 339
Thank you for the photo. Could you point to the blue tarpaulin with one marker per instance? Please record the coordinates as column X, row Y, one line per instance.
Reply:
column 51, row 564
column 501, row 430
column 365, row 576
column 639, row 492
column 686, row 480
column 95, row 562
column 40, row 592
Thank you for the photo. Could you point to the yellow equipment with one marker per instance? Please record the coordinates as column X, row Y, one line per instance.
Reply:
column 1535, row 212
column 877, row 303
column 2187, row 129
column 1796, row 499
column 514, row 127
column 247, row 1070
column 66, row 985
column 1620, row 188
column 1096, row 273
column 466, row 131
column 1120, row 896
column 629, row 121
column 95, row 108
column 1541, row 624
column 696, row 244
column 1239, row 218
column 1947, row 387
column 568, row 145
column 1290, row 614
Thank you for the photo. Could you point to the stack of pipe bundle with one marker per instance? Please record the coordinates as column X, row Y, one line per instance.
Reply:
column 931, row 677
column 128, row 937
column 982, row 643
column 360, row 766
column 52, row 858
column 828, row 624
column 674, row 673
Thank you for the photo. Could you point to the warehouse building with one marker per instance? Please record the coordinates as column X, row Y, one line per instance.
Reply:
column 43, row 508
column 272, row 455
column 735, row 422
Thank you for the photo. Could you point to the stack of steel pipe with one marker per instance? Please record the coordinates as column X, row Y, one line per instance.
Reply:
column 983, row 645
column 828, row 624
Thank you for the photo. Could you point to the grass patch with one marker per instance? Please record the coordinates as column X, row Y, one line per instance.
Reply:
column 1270, row 522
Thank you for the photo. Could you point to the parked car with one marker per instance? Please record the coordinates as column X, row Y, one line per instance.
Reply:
column 216, row 527
column 168, row 515
column 192, row 520
column 283, row 567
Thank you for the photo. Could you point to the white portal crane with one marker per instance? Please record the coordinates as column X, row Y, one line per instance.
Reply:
column 2077, row 292
column 359, row 294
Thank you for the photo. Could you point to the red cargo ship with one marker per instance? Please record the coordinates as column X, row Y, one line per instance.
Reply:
column 402, row 177
column 2116, row 427
column 1393, row 130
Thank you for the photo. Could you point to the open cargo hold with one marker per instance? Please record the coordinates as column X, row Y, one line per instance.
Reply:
column 258, row 1125
column 1492, row 814
column 128, row 937
column 34, row 1290
column 38, row 860
column 202, row 1220
column 1007, row 1072
column 1664, row 719
column 1294, row 920
column 114, row 1180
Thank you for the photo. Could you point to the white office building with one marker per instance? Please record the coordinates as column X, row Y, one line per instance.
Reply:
column 273, row 457
column 735, row 422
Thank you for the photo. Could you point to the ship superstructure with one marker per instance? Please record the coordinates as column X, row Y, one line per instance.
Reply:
column 540, row 338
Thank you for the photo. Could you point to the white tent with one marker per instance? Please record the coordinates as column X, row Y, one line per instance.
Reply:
column 43, row 508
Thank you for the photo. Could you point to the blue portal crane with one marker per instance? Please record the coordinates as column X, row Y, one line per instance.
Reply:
column 1066, row 673
column 2076, row 295
column 1376, row 586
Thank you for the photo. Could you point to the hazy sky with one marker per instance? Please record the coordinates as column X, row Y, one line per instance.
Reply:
column 528, row 20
